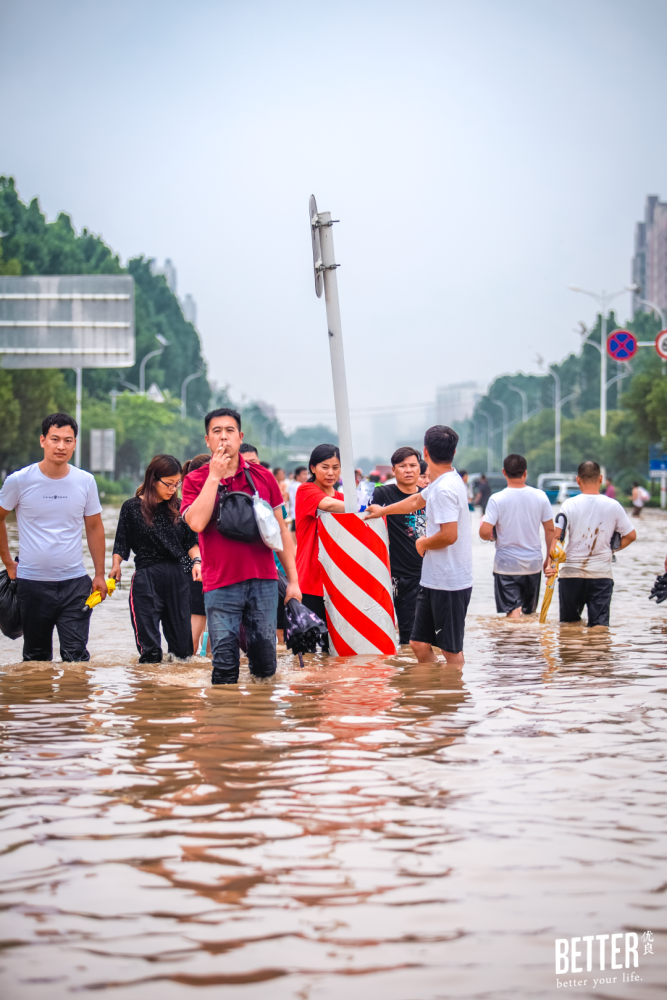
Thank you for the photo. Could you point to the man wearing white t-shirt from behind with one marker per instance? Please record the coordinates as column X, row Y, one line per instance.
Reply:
column 54, row 501
column 446, row 577
column 585, row 577
column 517, row 513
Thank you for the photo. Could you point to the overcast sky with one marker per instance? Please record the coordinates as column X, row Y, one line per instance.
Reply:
column 480, row 156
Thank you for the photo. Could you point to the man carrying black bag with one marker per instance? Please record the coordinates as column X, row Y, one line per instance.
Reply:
column 238, row 570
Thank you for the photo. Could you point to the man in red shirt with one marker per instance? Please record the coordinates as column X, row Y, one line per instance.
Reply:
column 240, row 578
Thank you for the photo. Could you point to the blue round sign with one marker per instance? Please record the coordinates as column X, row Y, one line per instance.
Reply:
column 621, row 345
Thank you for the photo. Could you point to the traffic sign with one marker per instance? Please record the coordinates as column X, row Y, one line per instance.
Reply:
column 621, row 345
column 317, row 250
column 661, row 344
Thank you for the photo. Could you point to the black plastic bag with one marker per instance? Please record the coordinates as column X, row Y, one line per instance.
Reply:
column 10, row 616
column 659, row 590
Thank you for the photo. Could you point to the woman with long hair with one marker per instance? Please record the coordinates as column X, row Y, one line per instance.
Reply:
column 197, row 608
column 317, row 493
column 164, row 548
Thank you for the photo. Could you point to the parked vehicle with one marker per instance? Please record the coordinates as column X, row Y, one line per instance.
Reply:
column 558, row 486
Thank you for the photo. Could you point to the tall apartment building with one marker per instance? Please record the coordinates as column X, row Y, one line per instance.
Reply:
column 457, row 402
column 649, row 264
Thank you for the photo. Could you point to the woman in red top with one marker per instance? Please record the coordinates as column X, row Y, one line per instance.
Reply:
column 317, row 493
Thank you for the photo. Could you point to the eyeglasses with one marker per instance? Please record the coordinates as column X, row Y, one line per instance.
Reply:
column 169, row 486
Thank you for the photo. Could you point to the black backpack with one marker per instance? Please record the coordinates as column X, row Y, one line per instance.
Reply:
column 236, row 516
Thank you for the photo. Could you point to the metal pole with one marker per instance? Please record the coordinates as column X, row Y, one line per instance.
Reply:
column 557, row 405
column 142, row 368
column 505, row 415
column 184, row 388
column 337, row 362
column 77, row 417
column 603, row 371
column 489, row 442
column 524, row 401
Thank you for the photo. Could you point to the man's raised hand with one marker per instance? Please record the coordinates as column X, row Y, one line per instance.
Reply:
column 373, row 510
column 219, row 464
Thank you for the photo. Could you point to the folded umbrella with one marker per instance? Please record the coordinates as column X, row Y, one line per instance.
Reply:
column 304, row 631
column 96, row 597
column 659, row 589
column 557, row 557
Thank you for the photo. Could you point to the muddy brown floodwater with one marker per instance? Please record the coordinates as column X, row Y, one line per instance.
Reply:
column 362, row 828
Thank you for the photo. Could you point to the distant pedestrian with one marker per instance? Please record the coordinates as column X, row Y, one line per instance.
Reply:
column 483, row 494
column 610, row 489
column 513, row 517
column 465, row 477
column 639, row 498
column 54, row 503
column 404, row 530
column 424, row 478
column 197, row 608
column 249, row 453
column 300, row 476
column 164, row 548
column 446, row 578
column 281, row 479
column 592, row 520
column 317, row 494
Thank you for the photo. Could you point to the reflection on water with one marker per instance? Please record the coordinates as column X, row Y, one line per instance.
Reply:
column 360, row 828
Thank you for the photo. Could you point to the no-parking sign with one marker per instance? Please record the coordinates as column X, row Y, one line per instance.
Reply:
column 661, row 344
column 622, row 345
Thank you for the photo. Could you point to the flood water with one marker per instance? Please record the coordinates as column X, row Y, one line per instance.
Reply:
column 362, row 828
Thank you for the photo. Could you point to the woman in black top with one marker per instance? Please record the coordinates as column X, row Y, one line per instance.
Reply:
column 164, row 548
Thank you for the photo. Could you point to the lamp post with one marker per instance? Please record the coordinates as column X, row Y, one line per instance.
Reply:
column 656, row 309
column 489, row 442
column 505, row 416
column 524, row 402
column 604, row 299
column 79, row 390
column 184, row 389
column 153, row 354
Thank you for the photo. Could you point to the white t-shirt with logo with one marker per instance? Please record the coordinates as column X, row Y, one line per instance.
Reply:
column 49, row 514
column 449, row 568
column 517, row 515
column 591, row 521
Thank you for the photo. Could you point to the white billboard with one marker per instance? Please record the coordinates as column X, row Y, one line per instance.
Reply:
column 67, row 321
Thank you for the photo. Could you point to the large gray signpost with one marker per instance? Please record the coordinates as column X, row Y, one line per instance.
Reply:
column 68, row 321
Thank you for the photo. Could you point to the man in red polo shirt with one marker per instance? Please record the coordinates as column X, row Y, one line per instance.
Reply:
column 240, row 578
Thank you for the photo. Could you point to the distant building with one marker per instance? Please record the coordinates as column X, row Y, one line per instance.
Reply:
column 649, row 264
column 189, row 307
column 169, row 272
column 457, row 402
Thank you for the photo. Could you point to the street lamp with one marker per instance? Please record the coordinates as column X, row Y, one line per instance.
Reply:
column 524, row 402
column 656, row 309
column 489, row 442
column 153, row 354
column 505, row 416
column 184, row 389
column 604, row 299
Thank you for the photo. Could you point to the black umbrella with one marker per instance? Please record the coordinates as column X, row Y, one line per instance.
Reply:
column 659, row 590
column 304, row 631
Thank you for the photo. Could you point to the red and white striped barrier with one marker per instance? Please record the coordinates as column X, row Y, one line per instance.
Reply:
column 354, row 556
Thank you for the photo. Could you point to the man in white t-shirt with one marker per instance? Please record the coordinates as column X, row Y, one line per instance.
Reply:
column 54, row 501
column 446, row 548
column 585, row 577
column 516, row 513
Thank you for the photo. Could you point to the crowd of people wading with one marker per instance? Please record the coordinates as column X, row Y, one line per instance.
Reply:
column 204, row 564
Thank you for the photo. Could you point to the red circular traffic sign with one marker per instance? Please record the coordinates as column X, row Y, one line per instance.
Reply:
column 621, row 345
column 661, row 344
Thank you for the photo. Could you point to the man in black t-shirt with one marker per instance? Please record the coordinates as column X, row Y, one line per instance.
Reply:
column 404, row 530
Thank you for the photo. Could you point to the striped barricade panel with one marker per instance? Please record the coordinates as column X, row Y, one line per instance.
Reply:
column 354, row 557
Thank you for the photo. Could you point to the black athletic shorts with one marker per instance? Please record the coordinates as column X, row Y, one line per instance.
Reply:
column 440, row 618
column 406, row 590
column 521, row 591
column 576, row 592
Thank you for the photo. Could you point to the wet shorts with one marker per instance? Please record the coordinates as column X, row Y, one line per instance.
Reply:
column 440, row 618
column 575, row 592
column 520, row 591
